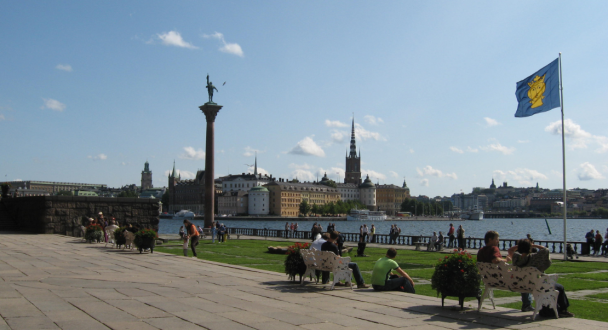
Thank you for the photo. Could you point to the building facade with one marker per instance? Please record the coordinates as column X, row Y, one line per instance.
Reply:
column 259, row 201
column 353, row 161
column 233, row 203
column 54, row 187
column 285, row 197
column 187, row 194
column 389, row 197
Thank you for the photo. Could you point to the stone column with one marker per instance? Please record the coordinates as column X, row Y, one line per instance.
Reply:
column 210, row 110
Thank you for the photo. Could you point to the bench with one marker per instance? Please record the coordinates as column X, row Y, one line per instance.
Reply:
column 503, row 276
column 419, row 244
column 328, row 262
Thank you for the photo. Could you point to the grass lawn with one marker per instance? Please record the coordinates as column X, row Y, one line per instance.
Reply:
column 574, row 275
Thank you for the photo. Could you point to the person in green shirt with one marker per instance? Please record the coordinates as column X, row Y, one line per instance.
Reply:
column 384, row 280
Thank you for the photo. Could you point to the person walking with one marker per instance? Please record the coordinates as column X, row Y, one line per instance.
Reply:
column 193, row 235
column 460, row 237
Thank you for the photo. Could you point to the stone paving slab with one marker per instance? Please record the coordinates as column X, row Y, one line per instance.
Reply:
column 58, row 282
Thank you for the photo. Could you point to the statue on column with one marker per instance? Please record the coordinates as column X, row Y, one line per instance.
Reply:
column 210, row 89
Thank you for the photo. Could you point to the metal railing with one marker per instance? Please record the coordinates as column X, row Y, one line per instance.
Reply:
column 469, row 242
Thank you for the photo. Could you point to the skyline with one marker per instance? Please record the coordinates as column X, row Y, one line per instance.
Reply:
column 91, row 91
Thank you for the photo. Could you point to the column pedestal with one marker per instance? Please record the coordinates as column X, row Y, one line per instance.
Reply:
column 210, row 110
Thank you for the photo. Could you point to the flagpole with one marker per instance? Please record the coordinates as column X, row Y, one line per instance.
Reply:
column 561, row 90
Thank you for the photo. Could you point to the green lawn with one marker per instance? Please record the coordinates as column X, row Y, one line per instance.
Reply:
column 574, row 275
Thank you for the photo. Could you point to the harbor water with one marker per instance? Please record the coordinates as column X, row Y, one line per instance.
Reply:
column 507, row 228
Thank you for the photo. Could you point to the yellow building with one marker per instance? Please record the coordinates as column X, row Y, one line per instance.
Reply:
column 285, row 197
column 389, row 197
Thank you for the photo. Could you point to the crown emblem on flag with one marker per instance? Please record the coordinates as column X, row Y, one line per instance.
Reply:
column 536, row 91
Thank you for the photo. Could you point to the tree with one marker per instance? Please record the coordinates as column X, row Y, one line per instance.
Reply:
column 315, row 209
column 65, row 193
column 127, row 193
column 305, row 207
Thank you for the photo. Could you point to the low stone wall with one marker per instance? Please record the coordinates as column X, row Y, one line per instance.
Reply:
column 64, row 215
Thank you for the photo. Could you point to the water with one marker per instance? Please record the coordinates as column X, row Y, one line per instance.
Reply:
column 507, row 228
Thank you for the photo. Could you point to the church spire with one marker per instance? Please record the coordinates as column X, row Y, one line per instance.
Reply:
column 173, row 174
column 353, row 144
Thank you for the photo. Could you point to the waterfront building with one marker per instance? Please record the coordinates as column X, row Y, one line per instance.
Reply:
column 348, row 191
column 353, row 162
column 233, row 202
column 186, row 194
column 259, row 201
column 244, row 181
column 367, row 191
column 54, row 187
column 146, row 177
column 285, row 197
column 389, row 197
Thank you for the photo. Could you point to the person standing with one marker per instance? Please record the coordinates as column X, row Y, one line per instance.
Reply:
column 217, row 231
column 397, row 233
column 460, row 237
column 372, row 233
column 598, row 243
column 193, row 235
column 291, row 229
column 451, row 235
column 182, row 233
column 213, row 231
column 590, row 239
column 295, row 230
column 286, row 230
column 391, row 235
column 365, row 233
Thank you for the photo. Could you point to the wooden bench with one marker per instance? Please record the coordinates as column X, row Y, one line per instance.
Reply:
column 328, row 262
column 503, row 276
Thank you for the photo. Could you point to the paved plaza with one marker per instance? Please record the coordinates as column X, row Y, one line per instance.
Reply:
column 59, row 282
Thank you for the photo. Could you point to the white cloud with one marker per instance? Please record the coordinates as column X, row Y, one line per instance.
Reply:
column 393, row 174
column 522, row 176
column 332, row 173
column 302, row 166
column 303, row 175
column 230, row 48
column 469, row 149
column 249, row 151
column 429, row 170
column 454, row 149
column 498, row 147
column 373, row 175
column 491, row 122
column 424, row 182
column 2, row 117
column 339, row 136
column 64, row 67
column 373, row 120
column 411, row 151
column 98, row 157
column 579, row 137
column 523, row 141
column 587, row 171
column 362, row 134
column 53, row 105
column 306, row 147
column 173, row 38
column 335, row 123
column 123, row 164
column 191, row 153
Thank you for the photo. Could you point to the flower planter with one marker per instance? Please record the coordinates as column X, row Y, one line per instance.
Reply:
column 461, row 297
column 456, row 275
column 294, row 263
column 146, row 243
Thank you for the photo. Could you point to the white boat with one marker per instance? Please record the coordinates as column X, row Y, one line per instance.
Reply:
column 473, row 215
column 184, row 215
column 366, row 215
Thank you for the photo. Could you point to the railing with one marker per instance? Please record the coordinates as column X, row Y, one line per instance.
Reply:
column 469, row 242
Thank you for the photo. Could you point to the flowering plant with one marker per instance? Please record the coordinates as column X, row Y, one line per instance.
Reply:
column 144, row 236
column 456, row 275
column 119, row 235
column 294, row 263
column 93, row 233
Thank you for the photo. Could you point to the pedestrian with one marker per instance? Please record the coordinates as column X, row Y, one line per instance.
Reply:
column 291, row 229
column 181, row 232
column 200, row 231
column 217, row 231
column 224, row 230
column 598, row 243
column 313, row 232
column 391, row 235
column 451, row 231
column 286, row 230
column 365, row 233
column 360, row 233
column 295, row 230
column 397, row 233
column 372, row 233
column 193, row 235
column 460, row 237
column 590, row 236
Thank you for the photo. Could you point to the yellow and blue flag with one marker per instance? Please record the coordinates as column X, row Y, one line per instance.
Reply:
column 538, row 92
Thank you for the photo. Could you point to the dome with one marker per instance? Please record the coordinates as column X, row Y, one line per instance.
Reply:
column 259, row 188
column 367, row 183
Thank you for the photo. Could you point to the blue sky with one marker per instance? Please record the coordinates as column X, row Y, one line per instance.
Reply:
column 90, row 90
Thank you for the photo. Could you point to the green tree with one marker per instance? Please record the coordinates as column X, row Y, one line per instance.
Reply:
column 127, row 193
column 315, row 209
column 65, row 193
column 305, row 207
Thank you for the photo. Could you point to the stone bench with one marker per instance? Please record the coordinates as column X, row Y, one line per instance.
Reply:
column 419, row 244
column 503, row 276
column 328, row 262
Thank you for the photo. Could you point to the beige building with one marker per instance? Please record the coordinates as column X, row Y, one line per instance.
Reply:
column 285, row 197
column 233, row 202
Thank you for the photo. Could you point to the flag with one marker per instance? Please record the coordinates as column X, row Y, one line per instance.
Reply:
column 538, row 92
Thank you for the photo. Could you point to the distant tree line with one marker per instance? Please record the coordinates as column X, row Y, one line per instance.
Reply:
column 416, row 207
column 331, row 208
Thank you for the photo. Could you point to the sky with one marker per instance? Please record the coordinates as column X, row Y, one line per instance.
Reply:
column 90, row 90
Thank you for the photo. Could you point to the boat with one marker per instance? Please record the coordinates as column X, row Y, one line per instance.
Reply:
column 366, row 215
column 473, row 215
column 184, row 215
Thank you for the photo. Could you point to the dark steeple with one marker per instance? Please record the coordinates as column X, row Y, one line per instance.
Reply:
column 353, row 144
column 353, row 162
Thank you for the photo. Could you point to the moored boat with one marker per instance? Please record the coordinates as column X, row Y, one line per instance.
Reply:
column 366, row 215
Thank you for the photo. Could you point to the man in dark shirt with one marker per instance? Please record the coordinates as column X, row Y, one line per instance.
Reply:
column 331, row 246
column 490, row 252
